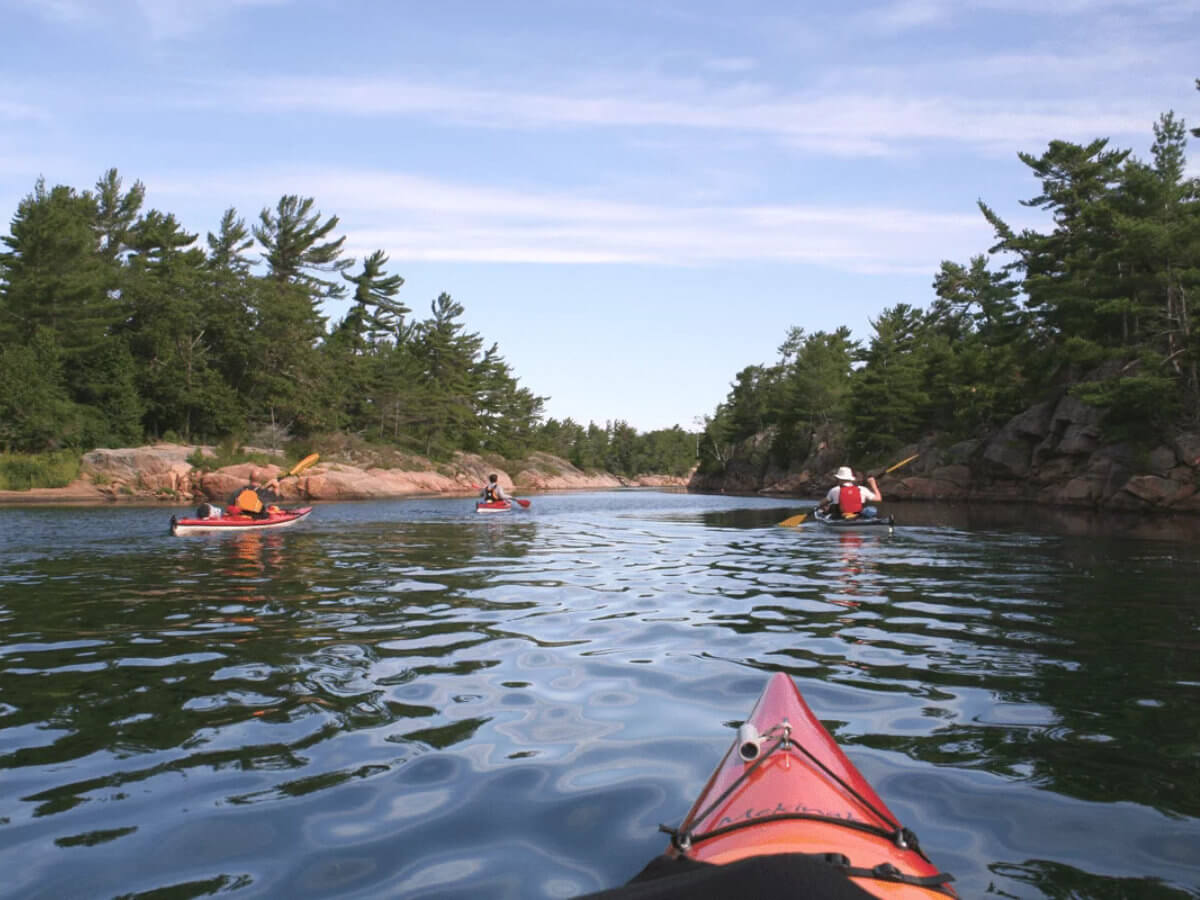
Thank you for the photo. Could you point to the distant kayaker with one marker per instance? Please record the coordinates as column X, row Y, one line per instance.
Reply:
column 253, row 499
column 493, row 493
column 850, row 499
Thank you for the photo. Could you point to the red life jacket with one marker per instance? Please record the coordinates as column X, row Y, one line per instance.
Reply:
column 850, row 499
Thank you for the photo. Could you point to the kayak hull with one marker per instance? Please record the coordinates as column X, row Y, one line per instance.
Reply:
column 497, row 506
column 225, row 523
column 888, row 522
column 794, row 791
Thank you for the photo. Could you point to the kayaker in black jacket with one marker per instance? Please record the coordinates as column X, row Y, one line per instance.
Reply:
column 253, row 499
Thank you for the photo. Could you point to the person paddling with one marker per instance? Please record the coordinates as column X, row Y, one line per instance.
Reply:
column 252, row 500
column 848, row 499
column 493, row 493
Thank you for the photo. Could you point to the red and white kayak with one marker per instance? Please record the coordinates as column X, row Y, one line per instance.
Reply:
column 496, row 506
column 280, row 518
column 786, row 787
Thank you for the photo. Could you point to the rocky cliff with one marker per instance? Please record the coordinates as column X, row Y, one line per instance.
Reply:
column 1053, row 453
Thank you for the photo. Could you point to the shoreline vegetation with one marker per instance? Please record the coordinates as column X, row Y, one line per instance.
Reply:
column 175, row 474
column 1059, row 366
column 121, row 328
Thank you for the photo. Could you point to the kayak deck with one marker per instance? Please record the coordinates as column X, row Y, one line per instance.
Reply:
column 282, row 519
column 493, row 506
column 786, row 787
column 888, row 522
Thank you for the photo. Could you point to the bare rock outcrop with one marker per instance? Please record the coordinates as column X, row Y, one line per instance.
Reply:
column 160, row 469
column 164, row 473
column 1053, row 453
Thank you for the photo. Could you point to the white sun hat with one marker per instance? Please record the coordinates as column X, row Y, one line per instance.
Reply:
column 844, row 474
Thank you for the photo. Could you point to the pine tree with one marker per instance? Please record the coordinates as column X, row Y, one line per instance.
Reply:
column 293, row 237
column 448, row 354
column 35, row 412
column 53, row 275
column 1072, row 276
column 116, row 214
column 230, row 313
column 375, row 314
column 291, row 387
column 166, row 288
column 227, row 248
column 888, row 403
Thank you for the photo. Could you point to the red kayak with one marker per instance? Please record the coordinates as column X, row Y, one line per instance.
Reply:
column 278, row 518
column 786, row 787
column 495, row 506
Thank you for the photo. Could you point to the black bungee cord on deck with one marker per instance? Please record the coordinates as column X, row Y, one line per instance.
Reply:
column 682, row 839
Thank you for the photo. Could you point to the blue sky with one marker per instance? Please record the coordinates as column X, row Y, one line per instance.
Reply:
column 635, row 199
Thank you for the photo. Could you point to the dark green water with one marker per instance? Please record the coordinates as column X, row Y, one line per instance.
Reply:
column 405, row 699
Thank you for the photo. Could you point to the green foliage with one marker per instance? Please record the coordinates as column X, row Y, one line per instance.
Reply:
column 35, row 410
column 618, row 448
column 115, row 326
column 293, row 238
column 53, row 273
column 24, row 471
column 1111, row 280
column 889, row 399
column 1136, row 405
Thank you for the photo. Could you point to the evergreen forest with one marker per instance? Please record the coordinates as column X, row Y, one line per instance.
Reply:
column 1099, row 304
column 118, row 326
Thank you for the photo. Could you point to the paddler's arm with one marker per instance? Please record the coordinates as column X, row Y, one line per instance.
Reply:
column 874, row 488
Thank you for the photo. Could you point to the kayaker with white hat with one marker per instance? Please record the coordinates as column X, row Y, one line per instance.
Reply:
column 848, row 499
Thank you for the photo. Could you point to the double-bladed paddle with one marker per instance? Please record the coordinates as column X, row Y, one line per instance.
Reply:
column 303, row 464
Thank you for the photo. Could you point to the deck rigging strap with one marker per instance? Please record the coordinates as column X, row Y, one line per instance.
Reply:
column 682, row 839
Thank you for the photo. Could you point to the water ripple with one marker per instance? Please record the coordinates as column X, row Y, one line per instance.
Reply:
column 398, row 699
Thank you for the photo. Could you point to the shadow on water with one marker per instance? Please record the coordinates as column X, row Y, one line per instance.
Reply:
column 999, row 517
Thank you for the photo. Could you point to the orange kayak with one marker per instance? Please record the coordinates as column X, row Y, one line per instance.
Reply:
column 786, row 787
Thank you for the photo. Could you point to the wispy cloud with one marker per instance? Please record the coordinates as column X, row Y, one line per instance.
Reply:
column 73, row 13
column 848, row 122
column 164, row 19
column 18, row 110
column 445, row 221
column 730, row 64
column 913, row 14
column 169, row 19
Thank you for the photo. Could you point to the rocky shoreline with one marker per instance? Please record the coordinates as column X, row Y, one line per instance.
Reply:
column 162, row 474
column 1053, row 454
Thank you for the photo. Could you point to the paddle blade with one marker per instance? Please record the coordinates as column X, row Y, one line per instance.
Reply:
column 524, row 504
column 793, row 521
column 304, row 463
column 902, row 462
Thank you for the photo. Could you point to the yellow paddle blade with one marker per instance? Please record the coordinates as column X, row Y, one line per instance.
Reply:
column 304, row 463
column 902, row 462
column 793, row 521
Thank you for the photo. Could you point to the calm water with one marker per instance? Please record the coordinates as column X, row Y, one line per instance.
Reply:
column 406, row 699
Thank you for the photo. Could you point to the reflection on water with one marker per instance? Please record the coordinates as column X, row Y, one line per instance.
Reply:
column 406, row 699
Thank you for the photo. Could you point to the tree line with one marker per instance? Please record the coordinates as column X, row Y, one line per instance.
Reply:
column 118, row 325
column 1098, row 305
